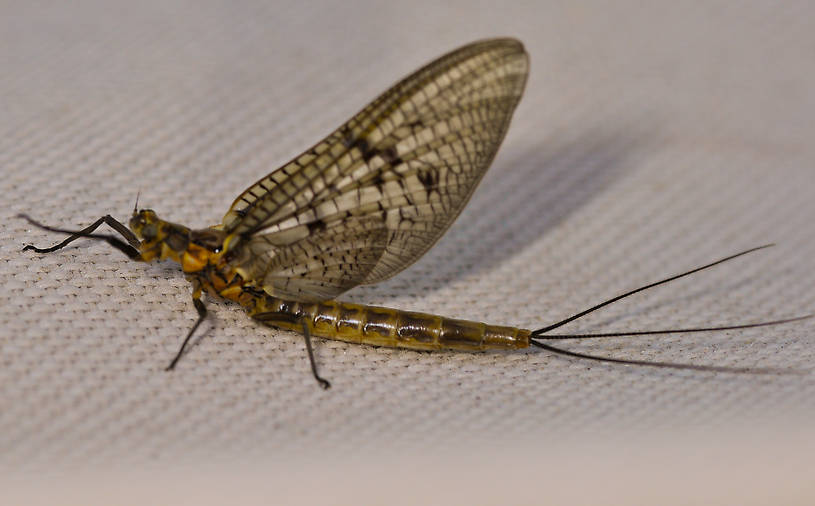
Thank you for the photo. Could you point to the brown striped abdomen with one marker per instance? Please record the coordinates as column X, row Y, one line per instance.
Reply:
column 381, row 326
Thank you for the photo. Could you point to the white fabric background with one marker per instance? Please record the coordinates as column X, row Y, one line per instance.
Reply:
column 653, row 137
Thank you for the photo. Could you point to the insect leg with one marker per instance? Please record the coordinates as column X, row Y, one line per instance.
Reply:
column 307, row 334
column 131, row 248
column 288, row 321
column 202, row 313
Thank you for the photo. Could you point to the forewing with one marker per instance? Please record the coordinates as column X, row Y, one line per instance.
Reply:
column 401, row 169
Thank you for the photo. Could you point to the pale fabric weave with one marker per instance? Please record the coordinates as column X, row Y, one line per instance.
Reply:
column 651, row 139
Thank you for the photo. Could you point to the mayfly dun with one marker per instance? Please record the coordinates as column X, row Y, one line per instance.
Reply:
column 357, row 208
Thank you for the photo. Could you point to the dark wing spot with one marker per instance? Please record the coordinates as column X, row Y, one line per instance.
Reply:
column 429, row 179
column 389, row 154
column 378, row 181
column 391, row 157
column 316, row 226
column 364, row 148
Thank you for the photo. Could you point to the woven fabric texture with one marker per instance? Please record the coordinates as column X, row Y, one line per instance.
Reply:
column 652, row 138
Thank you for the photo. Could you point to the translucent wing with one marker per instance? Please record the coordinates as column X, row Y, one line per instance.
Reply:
column 374, row 195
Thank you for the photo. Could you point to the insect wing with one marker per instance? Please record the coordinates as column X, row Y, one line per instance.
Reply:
column 374, row 195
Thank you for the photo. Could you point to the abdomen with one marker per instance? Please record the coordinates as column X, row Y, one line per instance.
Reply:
column 381, row 326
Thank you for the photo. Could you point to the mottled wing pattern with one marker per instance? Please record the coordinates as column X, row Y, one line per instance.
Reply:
column 374, row 195
column 327, row 262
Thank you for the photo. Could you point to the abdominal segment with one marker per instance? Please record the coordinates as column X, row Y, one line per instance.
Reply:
column 381, row 326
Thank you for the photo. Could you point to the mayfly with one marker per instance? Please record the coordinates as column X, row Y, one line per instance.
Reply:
column 359, row 207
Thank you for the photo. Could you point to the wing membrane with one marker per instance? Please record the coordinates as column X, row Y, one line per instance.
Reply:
column 386, row 184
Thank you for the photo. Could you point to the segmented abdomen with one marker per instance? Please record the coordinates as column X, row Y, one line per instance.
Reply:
column 381, row 326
